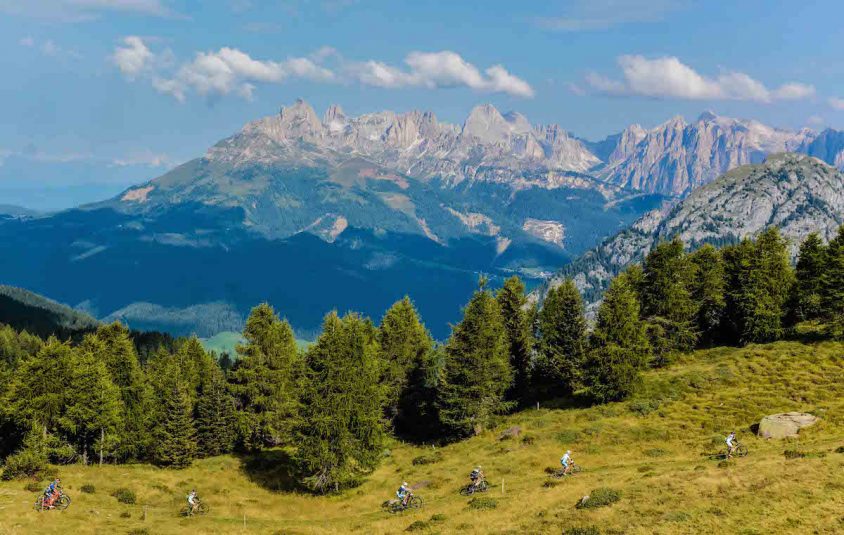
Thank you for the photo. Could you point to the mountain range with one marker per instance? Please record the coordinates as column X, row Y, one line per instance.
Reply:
column 312, row 213
column 796, row 193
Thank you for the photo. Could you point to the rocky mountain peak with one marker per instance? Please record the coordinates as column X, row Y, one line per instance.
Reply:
column 485, row 123
column 335, row 119
column 707, row 116
column 300, row 121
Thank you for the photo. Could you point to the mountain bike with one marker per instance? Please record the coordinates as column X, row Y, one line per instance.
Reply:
column 560, row 472
column 739, row 451
column 61, row 503
column 397, row 506
column 199, row 509
column 471, row 488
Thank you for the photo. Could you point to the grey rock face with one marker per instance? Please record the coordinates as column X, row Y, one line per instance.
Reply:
column 796, row 193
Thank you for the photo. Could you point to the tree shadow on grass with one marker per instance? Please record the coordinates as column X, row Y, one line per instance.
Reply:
column 274, row 470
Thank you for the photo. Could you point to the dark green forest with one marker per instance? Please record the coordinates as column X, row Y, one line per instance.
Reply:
column 107, row 395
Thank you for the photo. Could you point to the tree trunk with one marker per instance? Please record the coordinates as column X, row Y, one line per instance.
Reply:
column 102, row 440
column 85, row 454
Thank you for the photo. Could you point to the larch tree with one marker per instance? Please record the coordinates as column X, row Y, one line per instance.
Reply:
column 477, row 371
column 562, row 342
column 520, row 341
column 341, row 429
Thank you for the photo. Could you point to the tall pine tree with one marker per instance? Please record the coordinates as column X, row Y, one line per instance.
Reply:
column 619, row 344
column 404, row 342
column 215, row 417
column 808, row 287
column 476, row 372
column 520, row 341
column 264, row 380
column 175, row 434
column 562, row 342
column 832, row 285
column 708, row 292
column 340, row 433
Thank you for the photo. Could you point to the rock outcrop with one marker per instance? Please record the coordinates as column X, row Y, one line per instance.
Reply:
column 785, row 425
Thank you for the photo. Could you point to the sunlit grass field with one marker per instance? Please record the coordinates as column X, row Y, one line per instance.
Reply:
column 659, row 449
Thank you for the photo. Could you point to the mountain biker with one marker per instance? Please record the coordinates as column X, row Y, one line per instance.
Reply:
column 52, row 492
column 477, row 476
column 731, row 446
column 403, row 493
column 193, row 501
column 567, row 462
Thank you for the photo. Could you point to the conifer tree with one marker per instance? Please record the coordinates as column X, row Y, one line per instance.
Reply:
column 476, row 372
column 340, row 434
column 418, row 415
column 196, row 366
column 808, row 288
column 832, row 285
column 619, row 344
column 175, row 434
column 94, row 409
column 708, row 292
column 562, row 346
column 264, row 380
column 404, row 342
column 113, row 345
column 215, row 418
column 37, row 392
column 512, row 301
column 666, row 296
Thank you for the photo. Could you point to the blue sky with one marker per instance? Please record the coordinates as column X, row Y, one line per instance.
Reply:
column 99, row 94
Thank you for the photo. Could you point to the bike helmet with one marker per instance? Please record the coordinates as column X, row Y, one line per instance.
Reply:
column 404, row 484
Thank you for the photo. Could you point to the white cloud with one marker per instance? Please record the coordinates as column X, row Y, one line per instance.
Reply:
column 596, row 15
column 668, row 77
column 27, row 41
column 50, row 48
column 145, row 158
column 836, row 103
column 80, row 10
column 232, row 71
column 133, row 58
column 439, row 70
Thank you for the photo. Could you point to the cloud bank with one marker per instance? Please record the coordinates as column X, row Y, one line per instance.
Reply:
column 231, row 71
column 669, row 78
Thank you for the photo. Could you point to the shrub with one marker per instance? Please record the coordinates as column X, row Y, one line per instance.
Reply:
column 33, row 486
column 125, row 514
column 676, row 516
column 138, row 531
column 87, row 489
column 483, row 503
column 439, row 517
column 528, row 440
column 794, row 454
column 418, row 525
column 655, row 452
column 600, row 497
column 583, row 530
column 124, row 495
column 645, row 468
column 432, row 458
column 568, row 436
column 25, row 463
column 725, row 463
column 643, row 407
column 839, row 449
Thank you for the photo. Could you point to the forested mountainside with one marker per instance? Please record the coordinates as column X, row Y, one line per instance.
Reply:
column 794, row 193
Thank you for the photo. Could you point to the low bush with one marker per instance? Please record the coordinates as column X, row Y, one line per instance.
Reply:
column 528, row 440
column 600, row 497
column 839, row 449
column 25, row 463
column 124, row 495
column 567, row 436
column 431, row 458
column 655, row 452
column 33, row 486
column 483, row 503
column 643, row 407
column 125, row 514
column 439, row 517
column 794, row 454
column 138, row 531
column 87, row 489
column 582, row 530
column 418, row 525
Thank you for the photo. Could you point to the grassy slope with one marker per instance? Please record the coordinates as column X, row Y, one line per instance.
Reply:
column 659, row 461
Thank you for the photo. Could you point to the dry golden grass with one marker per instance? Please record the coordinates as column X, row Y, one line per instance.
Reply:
column 656, row 454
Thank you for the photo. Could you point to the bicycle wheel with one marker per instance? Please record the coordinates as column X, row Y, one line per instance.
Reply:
column 483, row 486
column 202, row 508
column 468, row 490
column 63, row 502
column 415, row 502
column 576, row 469
column 39, row 503
column 741, row 451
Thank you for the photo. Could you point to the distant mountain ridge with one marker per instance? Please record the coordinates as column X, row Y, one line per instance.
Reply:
column 798, row 194
column 36, row 314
